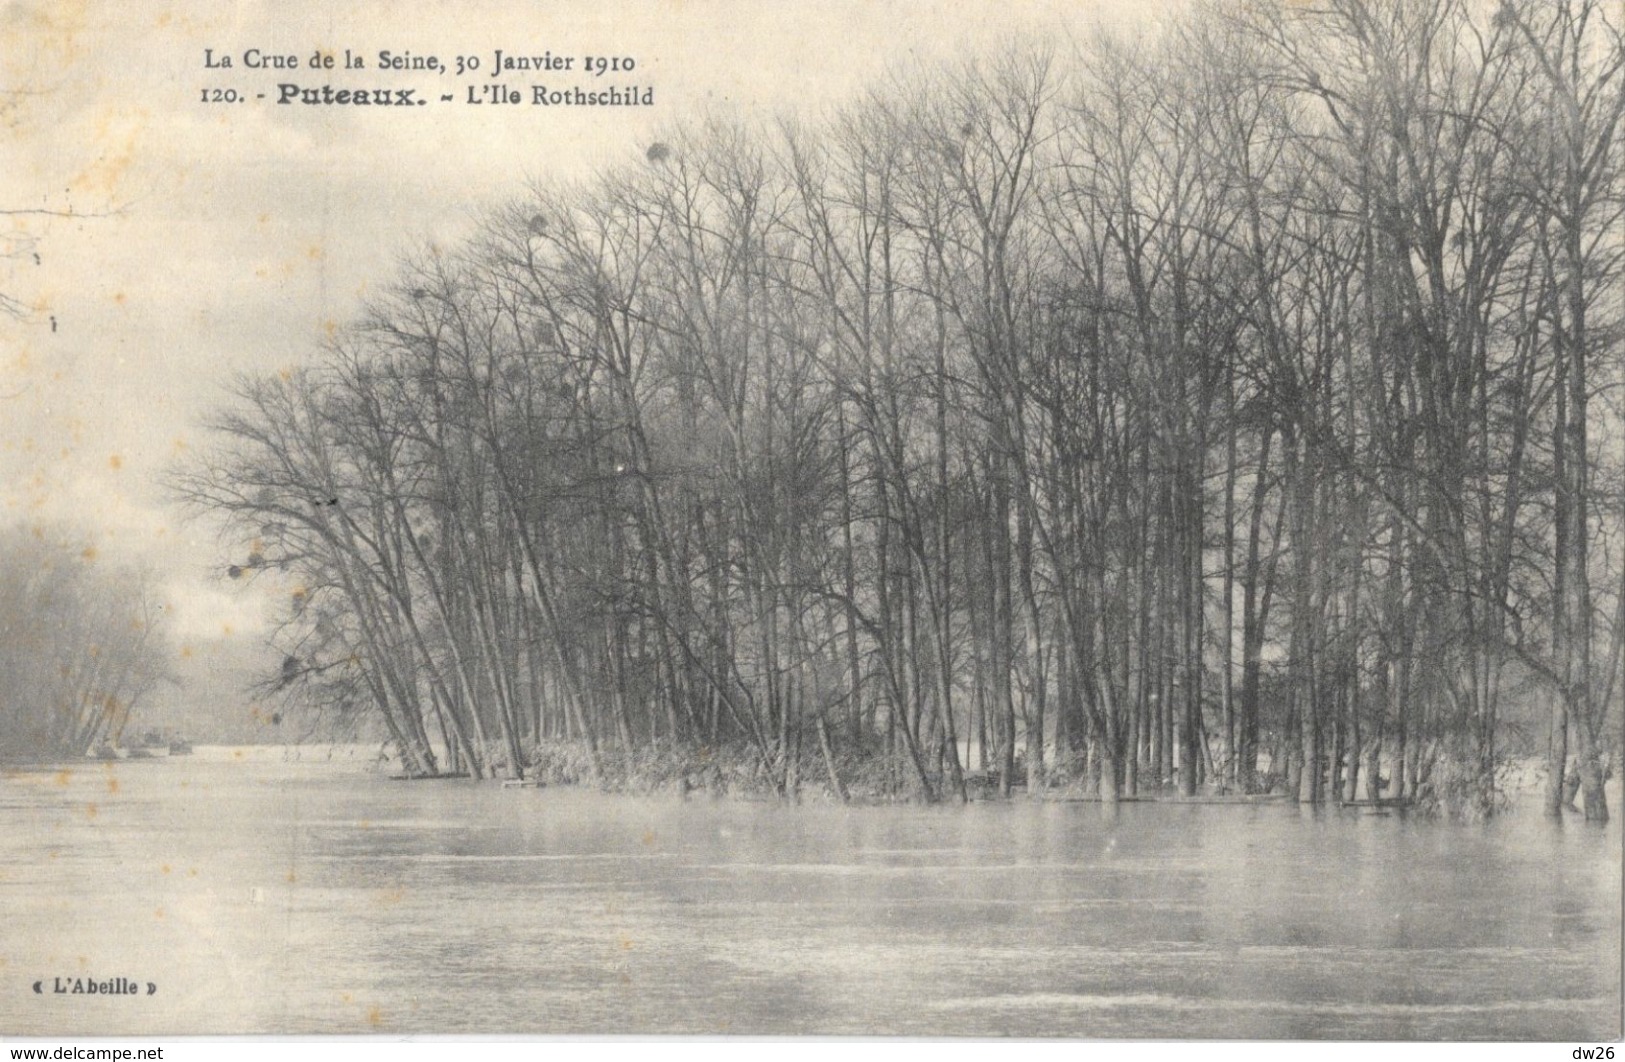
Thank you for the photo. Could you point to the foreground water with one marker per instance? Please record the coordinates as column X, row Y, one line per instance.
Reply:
column 261, row 893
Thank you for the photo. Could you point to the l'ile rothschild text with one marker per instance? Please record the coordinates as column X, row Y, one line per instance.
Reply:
column 349, row 78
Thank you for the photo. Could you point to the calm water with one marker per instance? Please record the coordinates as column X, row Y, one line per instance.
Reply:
column 267, row 895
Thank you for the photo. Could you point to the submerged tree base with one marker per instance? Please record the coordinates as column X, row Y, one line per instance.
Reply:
column 872, row 775
column 737, row 770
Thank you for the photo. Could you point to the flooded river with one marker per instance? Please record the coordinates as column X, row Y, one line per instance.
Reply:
column 260, row 893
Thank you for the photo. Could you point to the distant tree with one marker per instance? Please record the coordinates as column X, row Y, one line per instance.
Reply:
column 82, row 644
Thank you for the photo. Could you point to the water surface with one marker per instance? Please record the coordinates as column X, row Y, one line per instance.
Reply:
column 267, row 894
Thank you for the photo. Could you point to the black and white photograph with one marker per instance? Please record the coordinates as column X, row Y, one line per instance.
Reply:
column 1063, row 520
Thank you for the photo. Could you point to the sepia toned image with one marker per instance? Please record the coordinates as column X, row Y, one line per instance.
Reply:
column 1091, row 519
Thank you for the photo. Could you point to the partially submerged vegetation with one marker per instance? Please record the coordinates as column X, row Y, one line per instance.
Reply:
column 82, row 642
column 1237, row 408
column 869, row 775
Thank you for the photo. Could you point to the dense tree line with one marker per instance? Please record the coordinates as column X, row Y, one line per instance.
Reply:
column 82, row 642
column 1236, row 406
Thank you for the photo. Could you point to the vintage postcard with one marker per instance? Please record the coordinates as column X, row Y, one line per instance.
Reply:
column 1059, row 519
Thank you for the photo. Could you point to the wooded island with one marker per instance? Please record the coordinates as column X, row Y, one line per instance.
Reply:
column 1235, row 406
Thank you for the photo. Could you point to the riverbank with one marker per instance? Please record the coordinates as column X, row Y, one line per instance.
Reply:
column 871, row 776
column 868, row 777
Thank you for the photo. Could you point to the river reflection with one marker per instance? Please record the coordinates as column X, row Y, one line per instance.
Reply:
column 261, row 893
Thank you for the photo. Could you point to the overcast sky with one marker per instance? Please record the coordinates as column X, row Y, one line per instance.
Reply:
column 222, row 238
